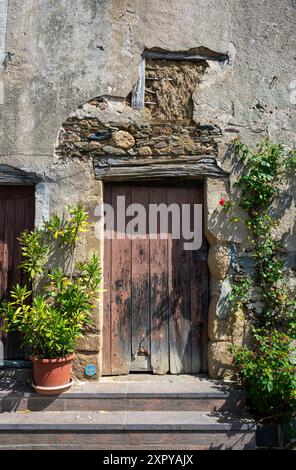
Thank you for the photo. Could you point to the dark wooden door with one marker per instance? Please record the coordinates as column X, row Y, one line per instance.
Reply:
column 17, row 212
column 155, row 303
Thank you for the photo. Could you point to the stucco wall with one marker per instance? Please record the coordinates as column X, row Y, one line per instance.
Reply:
column 66, row 52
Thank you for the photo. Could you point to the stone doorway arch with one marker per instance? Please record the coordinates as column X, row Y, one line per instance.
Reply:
column 118, row 143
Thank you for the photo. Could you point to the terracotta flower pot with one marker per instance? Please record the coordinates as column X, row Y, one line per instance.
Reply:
column 52, row 372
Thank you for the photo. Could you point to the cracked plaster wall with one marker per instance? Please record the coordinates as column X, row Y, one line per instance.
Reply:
column 69, row 51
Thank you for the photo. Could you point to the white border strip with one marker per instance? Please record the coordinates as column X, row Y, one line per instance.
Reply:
column 3, row 21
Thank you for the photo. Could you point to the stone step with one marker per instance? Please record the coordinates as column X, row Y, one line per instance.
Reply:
column 126, row 430
column 199, row 395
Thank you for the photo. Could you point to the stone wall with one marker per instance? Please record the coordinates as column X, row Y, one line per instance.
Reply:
column 94, row 133
column 92, row 137
column 65, row 53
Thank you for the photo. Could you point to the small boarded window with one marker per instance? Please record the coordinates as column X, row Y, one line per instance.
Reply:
column 167, row 81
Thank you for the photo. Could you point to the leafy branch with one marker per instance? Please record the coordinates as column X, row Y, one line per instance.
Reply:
column 259, row 184
column 267, row 365
column 62, row 305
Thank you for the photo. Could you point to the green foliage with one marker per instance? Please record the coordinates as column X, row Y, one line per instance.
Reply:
column 263, row 170
column 57, row 233
column 34, row 252
column 268, row 373
column 55, row 318
column 69, row 230
column 240, row 292
column 267, row 368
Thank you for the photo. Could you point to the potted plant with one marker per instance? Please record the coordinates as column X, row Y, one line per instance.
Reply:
column 53, row 308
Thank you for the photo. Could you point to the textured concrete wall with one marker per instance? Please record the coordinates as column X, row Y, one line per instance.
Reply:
column 69, row 51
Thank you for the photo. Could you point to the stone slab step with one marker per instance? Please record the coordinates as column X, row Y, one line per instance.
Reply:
column 201, row 395
column 131, row 430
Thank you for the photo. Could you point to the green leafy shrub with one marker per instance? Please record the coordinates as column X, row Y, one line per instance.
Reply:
column 263, row 171
column 267, row 367
column 268, row 372
column 52, row 319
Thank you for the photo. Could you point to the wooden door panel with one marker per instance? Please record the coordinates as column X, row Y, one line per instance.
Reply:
column 198, row 280
column 140, row 289
column 107, row 333
column 3, row 283
column 159, row 292
column 121, row 296
column 156, row 292
column 20, row 223
column 17, row 212
column 180, row 309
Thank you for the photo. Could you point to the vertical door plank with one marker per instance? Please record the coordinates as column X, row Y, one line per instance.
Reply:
column 17, row 210
column 159, row 294
column 196, row 278
column 2, row 244
column 3, row 335
column 11, row 349
column 20, row 223
column 107, row 333
column 8, row 227
column 140, row 285
column 180, row 309
column 29, row 220
column 121, row 295
column 30, row 210
column 29, row 224
column 8, row 261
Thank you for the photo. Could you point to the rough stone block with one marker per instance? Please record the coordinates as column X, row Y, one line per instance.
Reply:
column 143, row 151
column 218, row 260
column 218, row 329
column 220, row 360
column 241, row 329
column 109, row 149
column 123, row 140
column 81, row 361
column 89, row 342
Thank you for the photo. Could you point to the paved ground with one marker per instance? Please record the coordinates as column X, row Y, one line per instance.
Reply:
column 120, row 420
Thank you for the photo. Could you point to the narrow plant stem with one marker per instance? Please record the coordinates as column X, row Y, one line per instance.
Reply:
column 72, row 264
column 278, row 415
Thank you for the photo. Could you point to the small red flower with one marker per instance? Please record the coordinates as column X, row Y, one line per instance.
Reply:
column 222, row 202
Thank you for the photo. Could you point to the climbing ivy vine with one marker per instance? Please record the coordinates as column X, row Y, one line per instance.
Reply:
column 263, row 171
column 266, row 366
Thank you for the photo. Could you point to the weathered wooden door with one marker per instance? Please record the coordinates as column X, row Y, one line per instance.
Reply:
column 17, row 211
column 155, row 303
